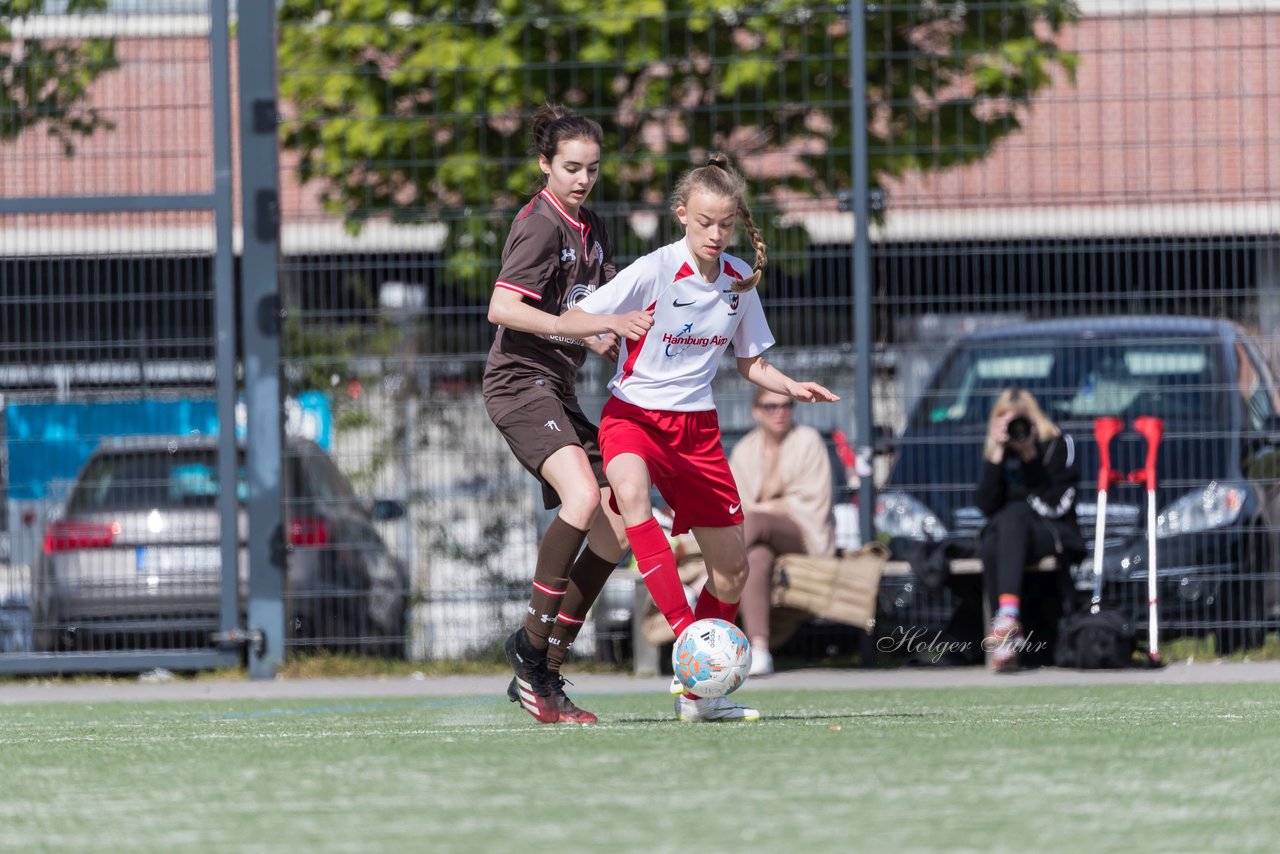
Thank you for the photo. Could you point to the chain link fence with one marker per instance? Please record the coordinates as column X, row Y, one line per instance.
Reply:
column 1074, row 162
column 115, row 271
column 1137, row 195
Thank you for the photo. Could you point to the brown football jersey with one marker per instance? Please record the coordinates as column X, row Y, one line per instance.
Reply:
column 553, row 260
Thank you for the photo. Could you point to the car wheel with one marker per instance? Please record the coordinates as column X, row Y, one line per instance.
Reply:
column 1241, row 604
column 46, row 640
column 350, row 630
column 338, row 627
column 394, row 642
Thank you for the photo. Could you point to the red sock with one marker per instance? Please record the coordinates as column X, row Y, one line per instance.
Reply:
column 709, row 607
column 657, row 565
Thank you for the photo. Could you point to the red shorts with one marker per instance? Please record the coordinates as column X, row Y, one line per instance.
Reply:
column 685, row 458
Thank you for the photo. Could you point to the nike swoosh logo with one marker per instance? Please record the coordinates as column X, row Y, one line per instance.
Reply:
column 679, row 304
column 734, row 509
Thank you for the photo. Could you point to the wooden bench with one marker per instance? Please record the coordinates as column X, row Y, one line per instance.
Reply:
column 967, row 566
column 972, row 566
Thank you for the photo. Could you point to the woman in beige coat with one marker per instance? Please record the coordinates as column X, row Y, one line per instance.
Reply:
column 784, row 479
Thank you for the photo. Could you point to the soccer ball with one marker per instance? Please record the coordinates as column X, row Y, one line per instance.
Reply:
column 711, row 658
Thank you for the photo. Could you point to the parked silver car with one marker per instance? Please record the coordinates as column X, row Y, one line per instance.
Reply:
column 134, row 559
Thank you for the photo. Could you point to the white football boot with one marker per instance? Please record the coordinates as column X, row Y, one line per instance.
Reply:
column 713, row 709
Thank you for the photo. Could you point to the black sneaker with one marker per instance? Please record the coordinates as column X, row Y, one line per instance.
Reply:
column 569, row 712
column 531, row 687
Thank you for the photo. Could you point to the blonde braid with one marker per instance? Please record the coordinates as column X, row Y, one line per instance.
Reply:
column 753, row 233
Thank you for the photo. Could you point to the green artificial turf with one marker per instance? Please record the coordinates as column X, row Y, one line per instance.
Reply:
column 1109, row 768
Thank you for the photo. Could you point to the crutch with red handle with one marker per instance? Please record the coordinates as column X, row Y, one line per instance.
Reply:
column 1151, row 429
column 1104, row 430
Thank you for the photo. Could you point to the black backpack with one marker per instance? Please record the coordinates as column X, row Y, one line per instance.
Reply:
column 1095, row 640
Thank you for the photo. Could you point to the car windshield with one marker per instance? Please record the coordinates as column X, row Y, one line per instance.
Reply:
column 1176, row 379
column 145, row 479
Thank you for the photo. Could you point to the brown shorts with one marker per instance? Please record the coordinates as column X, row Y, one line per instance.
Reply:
column 543, row 425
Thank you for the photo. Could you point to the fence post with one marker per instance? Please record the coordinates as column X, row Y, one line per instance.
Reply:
column 261, row 322
column 225, row 312
column 857, row 12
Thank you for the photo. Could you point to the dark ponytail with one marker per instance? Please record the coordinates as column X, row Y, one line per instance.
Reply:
column 554, row 124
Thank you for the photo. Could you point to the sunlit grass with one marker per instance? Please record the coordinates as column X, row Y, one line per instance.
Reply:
column 1133, row 767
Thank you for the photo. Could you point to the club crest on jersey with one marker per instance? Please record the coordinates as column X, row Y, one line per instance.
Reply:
column 572, row 297
column 577, row 294
column 598, row 251
column 570, row 254
column 733, row 302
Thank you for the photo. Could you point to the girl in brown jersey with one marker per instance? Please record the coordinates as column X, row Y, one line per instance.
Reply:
column 556, row 253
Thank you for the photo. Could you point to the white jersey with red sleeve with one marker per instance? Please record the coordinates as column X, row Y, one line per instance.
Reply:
column 671, row 367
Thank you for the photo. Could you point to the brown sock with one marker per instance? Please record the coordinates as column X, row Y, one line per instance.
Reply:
column 586, row 580
column 559, row 547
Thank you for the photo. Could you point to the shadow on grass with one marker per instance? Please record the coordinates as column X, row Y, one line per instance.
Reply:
column 790, row 717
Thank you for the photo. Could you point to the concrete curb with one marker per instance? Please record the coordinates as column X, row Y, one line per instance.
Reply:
column 155, row 687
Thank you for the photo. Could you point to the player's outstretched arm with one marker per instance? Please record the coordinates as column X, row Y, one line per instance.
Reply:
column 508, row 308
column 576, row 323
column 756, row 370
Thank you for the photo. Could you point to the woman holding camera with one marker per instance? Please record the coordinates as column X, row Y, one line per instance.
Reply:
column 1027, row 491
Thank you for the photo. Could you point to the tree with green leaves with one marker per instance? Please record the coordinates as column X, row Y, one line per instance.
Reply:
column 45, row 78
column 418, row 110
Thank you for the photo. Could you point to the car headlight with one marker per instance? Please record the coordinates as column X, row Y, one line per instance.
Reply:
column 900, row 515
column 1205, row 509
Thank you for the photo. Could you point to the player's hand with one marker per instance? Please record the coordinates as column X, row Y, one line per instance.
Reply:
column 605, row 344
column 1001, row 427
column 807, row 392
column 632, row 325
column 1000, row 437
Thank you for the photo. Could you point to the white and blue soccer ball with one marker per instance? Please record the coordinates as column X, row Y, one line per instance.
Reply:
column 711, row 658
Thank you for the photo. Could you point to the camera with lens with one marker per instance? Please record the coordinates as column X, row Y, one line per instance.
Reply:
column 1019, row 428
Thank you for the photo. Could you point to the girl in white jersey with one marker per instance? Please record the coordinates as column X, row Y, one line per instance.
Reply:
column 659, row 427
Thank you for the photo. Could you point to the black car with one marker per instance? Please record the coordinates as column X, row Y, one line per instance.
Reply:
column 1217, row 494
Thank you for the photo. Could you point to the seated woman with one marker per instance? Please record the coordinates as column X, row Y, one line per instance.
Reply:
column 1027, row 491
column 784, row 479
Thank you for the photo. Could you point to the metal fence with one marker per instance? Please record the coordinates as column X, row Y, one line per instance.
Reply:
column 1138, row 193
column 1028, row 161
column 115, row 272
